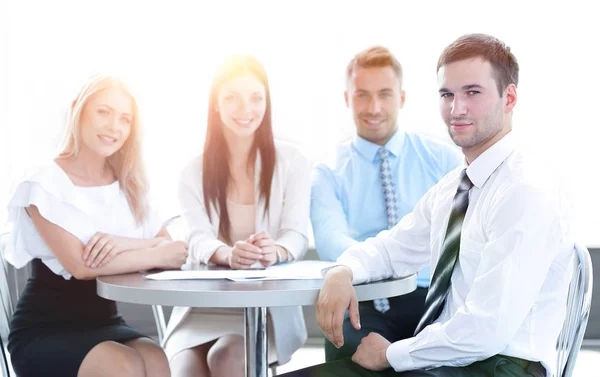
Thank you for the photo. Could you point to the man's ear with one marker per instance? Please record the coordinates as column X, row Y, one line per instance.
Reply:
column 510, row 98
column 346, row 99
column 402, row 98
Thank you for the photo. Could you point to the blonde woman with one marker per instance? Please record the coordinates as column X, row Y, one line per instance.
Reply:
column 85, row 214
column 246, row 201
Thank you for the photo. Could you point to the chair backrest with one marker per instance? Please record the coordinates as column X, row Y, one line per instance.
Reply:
column 578, row 311
column 6, row 296
column 6, row 302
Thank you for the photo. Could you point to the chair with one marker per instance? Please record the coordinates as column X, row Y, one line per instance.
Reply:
column 578, row 311
column 6, row 302
column 176, row 229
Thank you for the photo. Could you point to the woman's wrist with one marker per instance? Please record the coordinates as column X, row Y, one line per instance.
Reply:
column 282, row 254
column 158, row 255
column 156, row 241
column 222, row 256
column 125, row 243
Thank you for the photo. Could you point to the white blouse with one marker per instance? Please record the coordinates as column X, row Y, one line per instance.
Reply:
column 81, row 211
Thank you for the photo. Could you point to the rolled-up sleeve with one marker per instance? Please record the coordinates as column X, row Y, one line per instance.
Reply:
column 401, row 251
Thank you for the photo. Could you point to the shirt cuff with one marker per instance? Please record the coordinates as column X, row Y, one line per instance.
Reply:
column 359, row 274
column 201, row 252
column 398, row 356
column 294, row 242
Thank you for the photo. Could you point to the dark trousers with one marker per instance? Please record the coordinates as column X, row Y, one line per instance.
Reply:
column 495, row 366
column 396, row 324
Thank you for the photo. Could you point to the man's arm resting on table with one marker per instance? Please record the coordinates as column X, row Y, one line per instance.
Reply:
column 525, row 235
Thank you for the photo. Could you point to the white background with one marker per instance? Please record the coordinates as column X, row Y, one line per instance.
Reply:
column 168, row 50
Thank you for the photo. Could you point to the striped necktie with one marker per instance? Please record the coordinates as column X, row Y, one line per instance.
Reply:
column 440, row 282
column 389, row 193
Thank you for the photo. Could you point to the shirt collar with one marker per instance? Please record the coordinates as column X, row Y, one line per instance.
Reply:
column 370, row 150
column 480, row 170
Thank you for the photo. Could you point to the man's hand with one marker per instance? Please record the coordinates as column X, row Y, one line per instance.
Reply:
column 336, row 296
column 371, row 353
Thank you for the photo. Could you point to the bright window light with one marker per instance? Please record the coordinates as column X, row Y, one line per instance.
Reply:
column 168, row 51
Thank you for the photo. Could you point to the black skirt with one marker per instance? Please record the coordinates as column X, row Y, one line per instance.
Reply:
column 57, row 322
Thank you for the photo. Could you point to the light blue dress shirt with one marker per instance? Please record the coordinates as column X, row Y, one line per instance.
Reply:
column 347, row 203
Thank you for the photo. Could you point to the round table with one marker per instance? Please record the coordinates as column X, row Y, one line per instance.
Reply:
column 254, row 296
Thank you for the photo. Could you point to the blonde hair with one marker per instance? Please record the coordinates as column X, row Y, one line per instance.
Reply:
column 126, row 163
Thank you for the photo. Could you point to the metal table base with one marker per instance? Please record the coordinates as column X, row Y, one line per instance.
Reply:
column 135, row 288
column 257, row 363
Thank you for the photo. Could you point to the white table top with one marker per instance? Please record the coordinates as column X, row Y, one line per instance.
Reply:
column 135, row 288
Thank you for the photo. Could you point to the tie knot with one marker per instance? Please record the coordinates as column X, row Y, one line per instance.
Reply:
column 383, row 153
column 465, row 183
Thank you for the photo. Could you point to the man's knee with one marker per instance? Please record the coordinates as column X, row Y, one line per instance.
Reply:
column 352, row 339
column 333, row 353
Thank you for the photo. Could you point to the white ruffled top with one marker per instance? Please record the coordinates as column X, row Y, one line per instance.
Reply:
column 81, row 211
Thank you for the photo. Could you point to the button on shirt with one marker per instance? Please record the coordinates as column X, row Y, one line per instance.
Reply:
column 347, row 202
column 509, row 287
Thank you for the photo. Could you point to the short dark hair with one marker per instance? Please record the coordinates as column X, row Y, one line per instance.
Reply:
column 490, row 49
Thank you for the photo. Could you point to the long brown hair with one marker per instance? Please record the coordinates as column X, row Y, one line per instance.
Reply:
column 126, row 163
column 215, row 163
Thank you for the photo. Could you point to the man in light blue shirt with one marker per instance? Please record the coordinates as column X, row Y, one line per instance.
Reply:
column 371, row 188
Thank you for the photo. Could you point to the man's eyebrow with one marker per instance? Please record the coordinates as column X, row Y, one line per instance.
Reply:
column 464, row 87
column 472, row 86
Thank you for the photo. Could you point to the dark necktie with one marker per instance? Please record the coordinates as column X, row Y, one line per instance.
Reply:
column 440, row 282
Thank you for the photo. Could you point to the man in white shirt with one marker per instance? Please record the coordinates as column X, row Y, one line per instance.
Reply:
column 497, row 235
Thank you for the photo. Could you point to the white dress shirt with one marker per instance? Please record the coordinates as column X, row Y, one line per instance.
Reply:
column 509, row 287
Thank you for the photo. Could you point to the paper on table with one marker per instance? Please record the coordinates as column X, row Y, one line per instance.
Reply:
column 265, row 278
column 286, row 271
column 308, row 269
column 300, row 270
column 206, row 274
